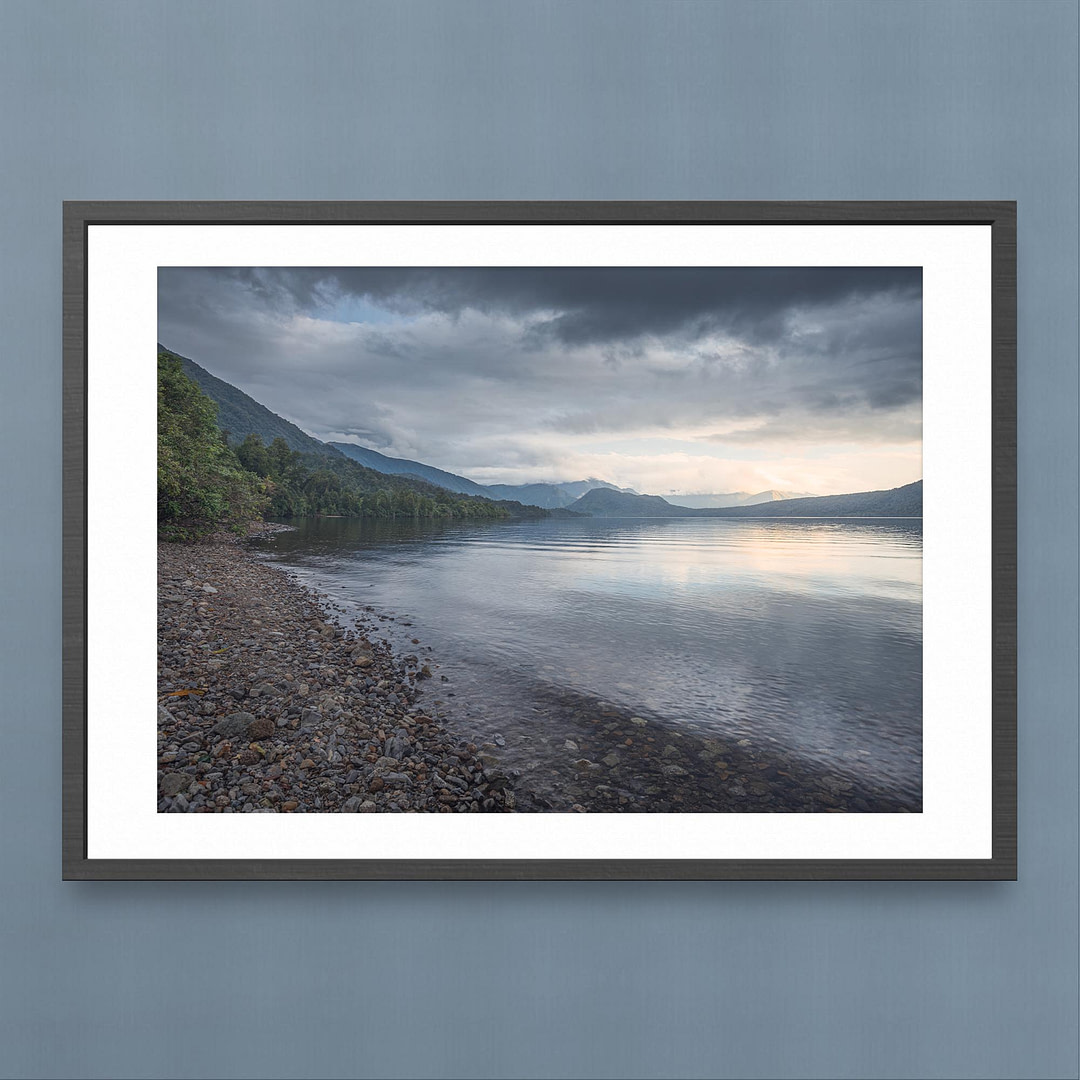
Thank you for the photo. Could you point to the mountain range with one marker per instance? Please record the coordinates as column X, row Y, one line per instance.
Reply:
column 240, row 415
column 552, row 496
column 545, row 495
column 734, row 498
column 404, row 467
column 903, row 501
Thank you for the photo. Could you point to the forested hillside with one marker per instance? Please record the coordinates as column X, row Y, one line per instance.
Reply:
column 404, row 467
column 240, row 415
column 201, row 485
column 302, row 485
column 204, row 484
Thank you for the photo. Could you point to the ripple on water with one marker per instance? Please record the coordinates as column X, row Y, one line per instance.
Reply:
column 807, row 634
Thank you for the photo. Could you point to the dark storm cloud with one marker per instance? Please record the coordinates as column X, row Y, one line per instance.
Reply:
column 478, row 367
column 585, row 305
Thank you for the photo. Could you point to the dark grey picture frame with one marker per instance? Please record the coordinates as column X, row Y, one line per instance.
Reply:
column 999, row 215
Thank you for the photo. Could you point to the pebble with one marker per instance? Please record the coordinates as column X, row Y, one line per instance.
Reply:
column 173, row 783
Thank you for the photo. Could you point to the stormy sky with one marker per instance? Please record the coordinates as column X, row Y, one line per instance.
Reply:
column 667, row 380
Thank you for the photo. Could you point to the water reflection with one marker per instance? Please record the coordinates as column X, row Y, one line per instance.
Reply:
column 808, row 633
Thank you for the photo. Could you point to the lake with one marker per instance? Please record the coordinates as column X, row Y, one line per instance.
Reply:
column 798, row 641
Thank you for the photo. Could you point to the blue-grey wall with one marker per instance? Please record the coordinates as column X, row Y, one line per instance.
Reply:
column 591, row 100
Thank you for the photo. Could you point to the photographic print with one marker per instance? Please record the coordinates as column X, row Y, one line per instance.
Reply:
column 540, row 539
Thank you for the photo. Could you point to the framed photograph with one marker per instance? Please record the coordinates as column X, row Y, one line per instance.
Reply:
column 539, row 540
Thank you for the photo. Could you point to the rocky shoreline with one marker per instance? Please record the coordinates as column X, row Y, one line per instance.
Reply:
column 266, row 706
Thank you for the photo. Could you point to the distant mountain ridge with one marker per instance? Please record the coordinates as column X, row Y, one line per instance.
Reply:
column 404, row 467
column 548, row 496
column 903, row 501
column 552, row 496
column 701, row 500
column 603, row 502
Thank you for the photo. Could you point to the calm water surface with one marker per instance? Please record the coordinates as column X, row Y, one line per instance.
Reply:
column 806, row 634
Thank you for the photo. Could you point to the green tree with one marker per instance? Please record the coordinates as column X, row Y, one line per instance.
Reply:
column 282, row 458
column 253, row 456
column 201, row 483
